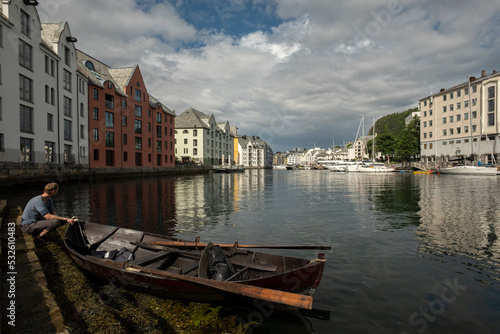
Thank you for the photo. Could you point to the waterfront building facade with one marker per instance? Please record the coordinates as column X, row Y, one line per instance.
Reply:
column 200, row 139
column 254, row 152
column 461, row 123
column 43, row 95
column 128, row 127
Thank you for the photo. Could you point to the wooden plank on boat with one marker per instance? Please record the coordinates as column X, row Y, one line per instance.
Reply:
column 252, row 265
column 151, row 259
column 275, row 296
column 197, row 245
column 189, row 267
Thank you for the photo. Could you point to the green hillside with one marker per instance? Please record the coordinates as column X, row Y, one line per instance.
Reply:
column 392, row 124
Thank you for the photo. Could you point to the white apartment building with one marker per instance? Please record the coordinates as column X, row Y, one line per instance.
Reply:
column 43, row 96
column 199, row 138
column 254, row 152
column 461, row 122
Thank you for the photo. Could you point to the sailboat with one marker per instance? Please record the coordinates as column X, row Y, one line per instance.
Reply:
column 473, row 169
column 375, row 167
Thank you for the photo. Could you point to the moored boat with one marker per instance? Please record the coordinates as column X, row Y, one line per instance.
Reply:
column 173, row 268
column 470, row 170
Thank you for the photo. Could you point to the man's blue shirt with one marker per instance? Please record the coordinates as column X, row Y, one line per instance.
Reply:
column 36, row 209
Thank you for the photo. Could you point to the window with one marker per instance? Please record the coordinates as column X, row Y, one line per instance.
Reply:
column 474, row 89
column 195, row 151
column 430, row 136
column 195, row 133
column 474, row 114
column 430, row 123
column 451, row 107
column 47, row 64
column 474, row 128
column 444, row 108
column 195, row 142
column 95, row 134
column 124, row 121
column 138, row 126
column 50, row 122
column 25, row 23
column 109, row 101
column 185, row 131
column 451, row 131
column 67, row 106
column 466, row 103
column 110, row 139
column 26, row 117
column 459, row 131
column 444, row 97
column 50, row 151
column 138, row 111
column 95, row 114
column 53, row 68
column 451, row 95
column 47, row 94
column 53, row 96
column 158, row 131
column 124, row 104
column 158, row 117
column 82, row 131
column 25, row 88
column 96, row 155
column 137, row 95
column 124, row 139
column 67, row 56
column 474, row 101
column 459, row 93
column 138, row 143
column 25, row 55
column 149, row 126
column 68, row 153
column 466, row 129
column 26, row 149
column 82, row 110
column 158, row 146
column 68, row 135
column 444, row 120
column 459, row 117
column 95, row 93
column 109, row 122
column 491, row 106
column 451, row 119
column 67, row 80
column 466, row 116
column 185, row 141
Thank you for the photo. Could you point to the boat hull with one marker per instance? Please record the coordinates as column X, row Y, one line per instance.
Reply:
column 291, row 274
column 470, row 170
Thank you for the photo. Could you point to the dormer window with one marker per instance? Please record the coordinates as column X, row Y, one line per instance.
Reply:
column 89, row 65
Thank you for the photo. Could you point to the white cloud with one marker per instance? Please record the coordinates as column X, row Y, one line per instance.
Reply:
column 314, row 74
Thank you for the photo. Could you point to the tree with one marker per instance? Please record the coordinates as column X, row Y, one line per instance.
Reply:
column 408, row 143
column 385, row 143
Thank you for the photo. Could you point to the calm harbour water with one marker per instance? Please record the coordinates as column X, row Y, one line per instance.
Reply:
column 410, row 252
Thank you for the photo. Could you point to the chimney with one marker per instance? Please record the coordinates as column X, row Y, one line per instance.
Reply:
column 483, row 73
column 442, row 90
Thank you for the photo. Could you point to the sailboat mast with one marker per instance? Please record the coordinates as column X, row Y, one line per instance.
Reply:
column 470, row 123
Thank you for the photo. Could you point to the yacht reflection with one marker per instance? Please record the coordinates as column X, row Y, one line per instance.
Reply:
column 464, row 224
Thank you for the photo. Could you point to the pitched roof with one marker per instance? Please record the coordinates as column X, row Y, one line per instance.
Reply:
column 100, row 72
column 192, row 118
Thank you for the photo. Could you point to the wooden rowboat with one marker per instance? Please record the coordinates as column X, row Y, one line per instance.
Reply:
column 152, row 266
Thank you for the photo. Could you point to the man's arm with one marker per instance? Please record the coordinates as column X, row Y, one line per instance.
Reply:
column 53, row 215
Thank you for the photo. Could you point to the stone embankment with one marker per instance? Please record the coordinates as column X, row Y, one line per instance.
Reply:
column 12, row 174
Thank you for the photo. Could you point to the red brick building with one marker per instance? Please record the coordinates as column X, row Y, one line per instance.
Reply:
column 127, row 126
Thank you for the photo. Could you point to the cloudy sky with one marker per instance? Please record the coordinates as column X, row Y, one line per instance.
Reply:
column 296, row 73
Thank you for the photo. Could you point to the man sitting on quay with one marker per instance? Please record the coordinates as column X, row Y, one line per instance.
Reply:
column 40, row 217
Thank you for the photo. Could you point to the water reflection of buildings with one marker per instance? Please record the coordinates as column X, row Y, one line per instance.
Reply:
column 460, row 217
column 147, row 204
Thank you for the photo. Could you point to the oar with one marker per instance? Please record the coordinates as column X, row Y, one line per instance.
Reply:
column 185, row 244
column 275, row 296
